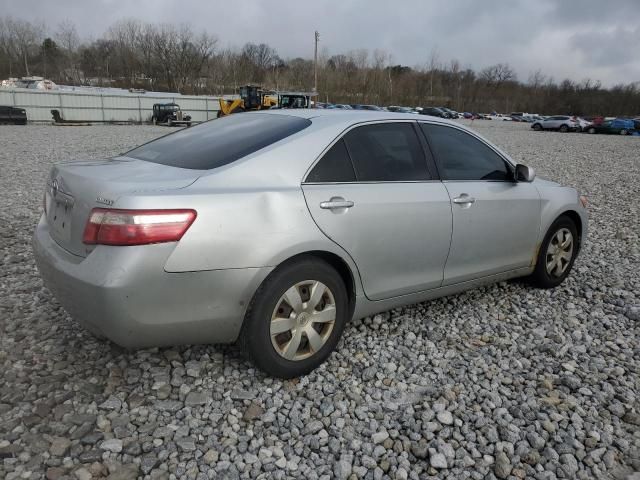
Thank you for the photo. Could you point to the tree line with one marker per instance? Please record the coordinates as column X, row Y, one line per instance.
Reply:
column 166, row 57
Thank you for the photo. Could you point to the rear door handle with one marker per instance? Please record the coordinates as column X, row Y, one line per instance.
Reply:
column 464, row 199
column 335, row 203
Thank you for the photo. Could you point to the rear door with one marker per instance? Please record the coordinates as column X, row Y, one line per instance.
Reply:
column 495, row 219
column 374, row 194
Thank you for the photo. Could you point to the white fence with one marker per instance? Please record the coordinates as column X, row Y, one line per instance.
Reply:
column 103, row 107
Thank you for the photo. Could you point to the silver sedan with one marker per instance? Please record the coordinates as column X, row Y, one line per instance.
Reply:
column 275, row 228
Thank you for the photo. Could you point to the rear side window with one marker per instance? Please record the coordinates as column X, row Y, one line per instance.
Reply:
column 334, row 166
column 219, row 142
column 463, row 157
column 386, row 152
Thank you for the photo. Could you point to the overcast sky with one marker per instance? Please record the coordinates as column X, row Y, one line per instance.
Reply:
column 597, row 39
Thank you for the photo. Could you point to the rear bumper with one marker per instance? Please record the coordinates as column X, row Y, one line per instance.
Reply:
column 124, row 294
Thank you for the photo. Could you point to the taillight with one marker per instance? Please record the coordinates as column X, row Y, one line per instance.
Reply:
column 136, row 227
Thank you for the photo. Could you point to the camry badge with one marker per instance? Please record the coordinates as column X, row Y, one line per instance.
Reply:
column 104, row 201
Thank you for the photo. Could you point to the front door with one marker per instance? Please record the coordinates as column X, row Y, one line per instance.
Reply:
column 496, row 220
column 372, row 194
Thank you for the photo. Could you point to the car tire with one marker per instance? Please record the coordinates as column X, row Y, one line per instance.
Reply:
column 624, row 131
column 564, row 128
column 557, row 254
column 591, row 130
column 537, row 127
column 276, row 333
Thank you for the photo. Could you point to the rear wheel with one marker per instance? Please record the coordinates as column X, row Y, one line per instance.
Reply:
column 557, row 254
column 624, row 132
column 296, row 318
column 564, row 128
column 591, row 130
column 537, row 127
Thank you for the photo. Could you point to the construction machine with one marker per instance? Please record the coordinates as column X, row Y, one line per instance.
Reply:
column 254, row 98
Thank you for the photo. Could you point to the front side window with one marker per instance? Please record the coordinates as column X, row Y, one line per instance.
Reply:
column 463, row 157
column 386, row 152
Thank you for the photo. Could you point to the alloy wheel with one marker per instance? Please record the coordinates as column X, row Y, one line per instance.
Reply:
column 303, row 320
column 559, row 252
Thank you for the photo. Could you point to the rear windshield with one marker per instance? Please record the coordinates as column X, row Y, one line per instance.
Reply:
column 219, row 142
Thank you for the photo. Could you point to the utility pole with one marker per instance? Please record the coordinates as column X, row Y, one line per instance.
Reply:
column 315, row 64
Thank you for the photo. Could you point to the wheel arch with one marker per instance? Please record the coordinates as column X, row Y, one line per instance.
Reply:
column 345, row 271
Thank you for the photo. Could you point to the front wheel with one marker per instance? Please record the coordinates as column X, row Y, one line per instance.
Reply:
column 591, row 130
column 296, row 318
column 624, row 132
column 557, row 254
column 537, row 127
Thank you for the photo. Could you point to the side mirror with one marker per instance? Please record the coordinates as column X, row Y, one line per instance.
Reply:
column 524, row 173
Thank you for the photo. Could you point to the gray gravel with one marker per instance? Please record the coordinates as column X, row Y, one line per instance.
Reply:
column 501, row 382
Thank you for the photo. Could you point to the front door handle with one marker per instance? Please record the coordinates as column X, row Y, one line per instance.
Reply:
column 464, row 200
column 335, row 203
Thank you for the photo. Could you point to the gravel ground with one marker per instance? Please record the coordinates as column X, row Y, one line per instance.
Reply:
column 501, row 382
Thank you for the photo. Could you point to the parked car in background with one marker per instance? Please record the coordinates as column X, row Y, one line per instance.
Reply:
column 265, row 228
column 452, row 113
column 562, row 123
column 358, row 106
column 434, row 112
column 583, row 123
column 396, row 109
column 170, row 114
column 341, row 106
column 13, row 115
column 618, row 126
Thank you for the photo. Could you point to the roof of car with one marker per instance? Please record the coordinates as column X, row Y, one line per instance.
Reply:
column 351, row 116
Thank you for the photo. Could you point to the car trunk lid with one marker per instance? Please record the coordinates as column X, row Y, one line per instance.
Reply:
column 75, row 188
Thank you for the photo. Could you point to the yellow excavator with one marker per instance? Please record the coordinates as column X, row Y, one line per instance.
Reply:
column 254, row 98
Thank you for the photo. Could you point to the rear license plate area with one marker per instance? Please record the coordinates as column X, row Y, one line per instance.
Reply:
column 59, row 218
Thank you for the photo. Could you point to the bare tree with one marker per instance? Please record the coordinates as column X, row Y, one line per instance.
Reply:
column 23, row 39
column 433, row 65
column 498, row 74
column 67, row 37
column 181, row 54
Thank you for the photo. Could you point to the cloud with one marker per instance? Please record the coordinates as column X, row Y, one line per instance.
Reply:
column 608, row 49
column 562, row 38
